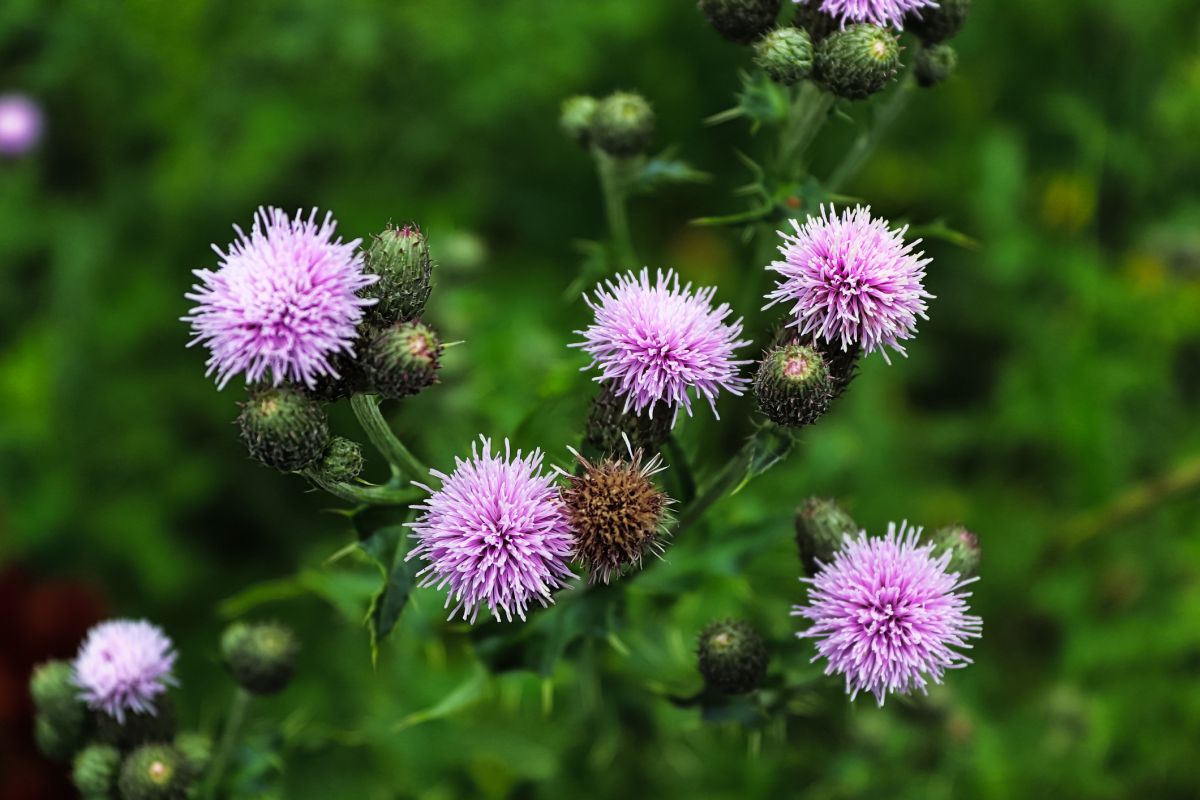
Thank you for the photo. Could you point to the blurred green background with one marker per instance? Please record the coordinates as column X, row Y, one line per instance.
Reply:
column 1059, row 373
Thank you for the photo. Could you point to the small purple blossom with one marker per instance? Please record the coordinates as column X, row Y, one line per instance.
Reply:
column 888, row 615
column 284, row 299
column 20, row 124
column 852, row 280
column 876, row 12
column 123, row 665
column 496, row 533
column 655, row 342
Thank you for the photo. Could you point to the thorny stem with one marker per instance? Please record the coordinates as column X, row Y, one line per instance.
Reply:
column 366, row 495
column 401, row 459
column 714, row 490
column 233, row 727
column 807, row 114
column 886, row 115
column 1136, row 501
column 612, row 184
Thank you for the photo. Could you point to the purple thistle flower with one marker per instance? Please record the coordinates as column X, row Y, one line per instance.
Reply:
column 888, row 615
column 123, row 665
column 496, row 533
column 654, row 342
column 852, row 280
column 20, row 124
column 876, row 12
column 284, row 299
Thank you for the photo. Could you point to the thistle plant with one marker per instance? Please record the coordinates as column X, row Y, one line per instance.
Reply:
column 532, row 551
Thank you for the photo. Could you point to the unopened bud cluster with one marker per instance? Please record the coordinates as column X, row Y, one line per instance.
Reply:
column 741, row 21
column 621, row 125
column 261, row 657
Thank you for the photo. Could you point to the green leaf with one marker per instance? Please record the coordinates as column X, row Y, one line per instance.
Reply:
column 389, row 603
column 663, row 170
column 466, row 694
column 769, row 446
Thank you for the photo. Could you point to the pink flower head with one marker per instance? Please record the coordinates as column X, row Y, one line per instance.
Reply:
column 123, row 665
column 20, row 124
column 852, row 280
column 887, row 614
column 877, row 12
column 496, row 533
column 284, row 300
column 655, row 342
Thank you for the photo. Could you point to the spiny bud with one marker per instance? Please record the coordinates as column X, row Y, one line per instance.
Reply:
column 811, row 18
column 402, row 359
column 821, row 526
column 858, row 61
column 330, row 389
column 793, row 387
column 617, row 513
column 576, row 118
column 55, row 694
column 139, row 727
column 401, row 259
column 623, row 124
column 260, row 656
column 54, row 743
column 965, row 553
column 733, row 657
column 153, row 772
column 342, row 461
column 740, row 21
column 609, row 423
column 195, row 751
column 785, row 54
column 283, row 427
column 934, row 64
column 933, row 24
column 95, row 770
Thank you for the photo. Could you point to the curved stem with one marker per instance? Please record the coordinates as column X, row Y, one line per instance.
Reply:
column 679, row 462
column 233, row 728
column 807, row 114
column 729, row 476
column 365, row 495
column 887, row 114
column 612, row 185
column 401, row 459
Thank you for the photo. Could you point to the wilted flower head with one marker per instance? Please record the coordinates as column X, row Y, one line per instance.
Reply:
column 496, row 534
column 123, row 665
column 876, row 12
column 284, row 300
column 20, row 124
column 655, row 342
column 888, row 615
column 616, row 512
column 851, row 280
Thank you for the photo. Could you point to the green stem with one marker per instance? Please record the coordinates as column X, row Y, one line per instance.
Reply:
column 729, row 477
column 683, row 470
column 364, row 495
column 887, row 114
column 233, row 728
column 807, row 114
column 401, row 459
column 612, row 184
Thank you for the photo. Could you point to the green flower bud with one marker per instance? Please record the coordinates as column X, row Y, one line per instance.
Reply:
column 785, row 54
column 138, row 728
column 793, row 387
column 733, row 657
column 153, row 772
column 607, row 421
column 576, row 118
column 283, row 427
column 401, row 259
column 934, row 64
column 349, row 380
column 965, row 553
column 95, row 770
column 857, row 62
column 741, row 21
column 402, row 359
column 937, row 24
column 195, row 752
column 260, row 656
column 342, row 461
column 811, row 18
column 623, row 124
column 821, row 528
column 56, row 697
